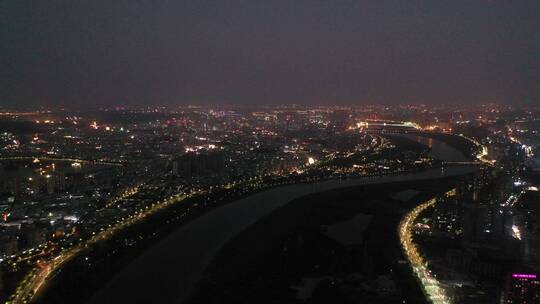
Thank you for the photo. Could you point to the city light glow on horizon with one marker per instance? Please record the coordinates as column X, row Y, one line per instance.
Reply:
column 524, row 276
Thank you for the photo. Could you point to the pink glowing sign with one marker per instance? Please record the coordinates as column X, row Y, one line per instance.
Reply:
column 524, row 276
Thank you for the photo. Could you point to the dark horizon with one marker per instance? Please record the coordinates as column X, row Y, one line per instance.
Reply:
column 101, row 53
column 21, row 108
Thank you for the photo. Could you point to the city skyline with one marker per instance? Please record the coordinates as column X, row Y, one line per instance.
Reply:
column 249, row 151
column 392, row 203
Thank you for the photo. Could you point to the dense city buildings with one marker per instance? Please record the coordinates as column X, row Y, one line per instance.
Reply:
column 73, row 183
column 522, row 288
column 291, row 152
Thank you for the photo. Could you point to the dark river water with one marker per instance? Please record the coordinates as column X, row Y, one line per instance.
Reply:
column 439, row 149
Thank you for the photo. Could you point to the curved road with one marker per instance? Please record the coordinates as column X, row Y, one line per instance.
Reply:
column 168, row 271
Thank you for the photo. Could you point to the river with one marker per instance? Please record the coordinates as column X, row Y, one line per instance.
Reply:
column 168, row 271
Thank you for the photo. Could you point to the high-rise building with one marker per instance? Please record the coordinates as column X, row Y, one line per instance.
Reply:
column 522, row 288
column 199, row 164
column 56, row 182
column 474, row 223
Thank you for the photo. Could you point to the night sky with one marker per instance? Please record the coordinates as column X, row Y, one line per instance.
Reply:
column 150, row 52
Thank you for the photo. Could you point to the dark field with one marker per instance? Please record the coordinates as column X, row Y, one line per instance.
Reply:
column 266, row 261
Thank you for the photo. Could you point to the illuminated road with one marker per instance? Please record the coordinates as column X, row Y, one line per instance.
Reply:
column 168, row 271
column 37, row 279
column 74, row 160
column 483, row 153
column 122, row 196
column 433, row 290
column 21, row 113
column 32, row 255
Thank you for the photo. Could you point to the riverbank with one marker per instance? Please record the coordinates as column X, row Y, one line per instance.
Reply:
column 168, row 271
column 290, row 254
